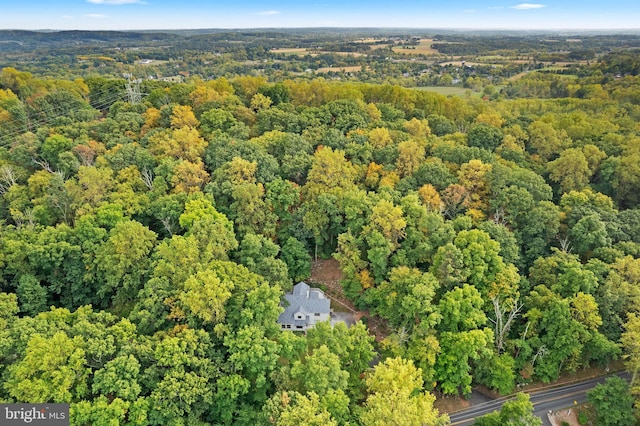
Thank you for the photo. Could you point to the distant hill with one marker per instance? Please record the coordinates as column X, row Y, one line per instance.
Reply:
column 18, row 40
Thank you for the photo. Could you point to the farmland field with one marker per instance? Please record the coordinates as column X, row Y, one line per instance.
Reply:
column 446, row 90
column 423, row 48
column 354, row 68
column 292, row 51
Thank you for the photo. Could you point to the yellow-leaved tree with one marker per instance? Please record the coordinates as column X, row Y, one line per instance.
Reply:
column 396, row 397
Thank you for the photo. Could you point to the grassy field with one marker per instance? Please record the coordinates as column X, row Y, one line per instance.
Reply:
column 300, row 51
column 447, row 91
column 354, row 54
column 95, row 58
column 554, row 68
column 423, row 48
column 368, row 40
column 354, row 68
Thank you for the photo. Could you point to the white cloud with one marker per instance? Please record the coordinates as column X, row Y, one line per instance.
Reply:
column 96, row 16
column 269, row 12
column 114, row 1
column 528, row 6
column 495, row 7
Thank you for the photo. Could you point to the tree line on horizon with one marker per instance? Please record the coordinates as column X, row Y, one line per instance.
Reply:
column 145, row 247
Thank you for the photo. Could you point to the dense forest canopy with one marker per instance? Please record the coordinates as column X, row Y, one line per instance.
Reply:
column 145, row 246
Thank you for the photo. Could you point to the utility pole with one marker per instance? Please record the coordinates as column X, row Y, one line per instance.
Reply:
column 133, row 89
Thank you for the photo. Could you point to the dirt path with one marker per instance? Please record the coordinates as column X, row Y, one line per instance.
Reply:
column 327, row 272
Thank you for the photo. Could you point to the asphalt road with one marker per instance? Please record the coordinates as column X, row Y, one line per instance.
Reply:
column 543, row 401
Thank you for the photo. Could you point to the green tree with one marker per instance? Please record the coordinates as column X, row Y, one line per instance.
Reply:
column 102, row 411
column 330, row 178
column 619, row 295
column 515, row 412
column 258, row 254
column 612, row 403
column 589, row 233
column 485, row 136
column 425, row 232
column 496, row 372
column 31, row 294
column 204, row 298
column 405, row 299
column 396, row 397
column 181, row 377
column 448, row 266
column 319, row 372
column 123, row 262
column 293, row 409
column 295, row 255
column 631, row 344
column 118, row 378
column 353, row 346
column 278, row 93
column 457, row 350
column 563, row 273
column 570, row 170
column 481, row 258
column 53, row 370
column 213, row 233
column 53, row 147
column 559, row 338
column 461, row 310
column 545, row 140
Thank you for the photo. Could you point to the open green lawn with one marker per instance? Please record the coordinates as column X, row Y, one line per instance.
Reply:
column 447, row 91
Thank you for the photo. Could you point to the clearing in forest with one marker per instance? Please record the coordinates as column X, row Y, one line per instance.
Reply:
column 301, row 51
column 423, row 48
column 327, row 273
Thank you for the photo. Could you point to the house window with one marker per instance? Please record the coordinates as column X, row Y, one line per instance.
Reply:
column 299, row 327
column 317, row 314
column 288, row 325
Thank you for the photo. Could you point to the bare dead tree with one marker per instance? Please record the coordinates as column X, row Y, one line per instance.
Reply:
column 7, row 178
column 499, row 217
column 22, row 218
column 503, row 320
column 44, row 164
column 542, row 351
column 565, row 245
column 168, row 225
column 524, row 336
column 17, row 219
column 59, row 198
column 147, row 178
column 61, row 174
column 28, row 215
column 403, row 335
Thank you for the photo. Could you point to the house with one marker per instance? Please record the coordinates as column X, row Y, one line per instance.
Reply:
column 304, row 307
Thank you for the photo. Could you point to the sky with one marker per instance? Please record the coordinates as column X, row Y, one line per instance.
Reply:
column 192, row 14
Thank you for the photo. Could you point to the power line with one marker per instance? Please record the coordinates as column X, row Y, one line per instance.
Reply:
column 133, row 95
column 6, row 139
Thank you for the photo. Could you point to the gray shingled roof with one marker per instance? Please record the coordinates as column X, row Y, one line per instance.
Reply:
column 306, row 300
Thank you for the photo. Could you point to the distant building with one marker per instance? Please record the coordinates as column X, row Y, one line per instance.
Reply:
column 304, row 307
column 173, row 79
